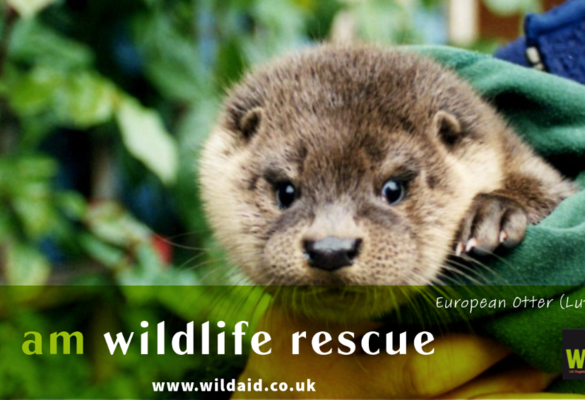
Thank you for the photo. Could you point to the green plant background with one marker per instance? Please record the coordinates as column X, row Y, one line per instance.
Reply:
column 104, row 106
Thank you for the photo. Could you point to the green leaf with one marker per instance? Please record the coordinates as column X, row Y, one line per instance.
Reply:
column 284, row 19
column 381, row 20
column 151, row 271
column 29, row 189
column 111, row 223
column 280, row 28
column 36, row 213
column 192, row 130
column 34, row 43
column 82, row 99
column 87, row 100
column 6, row 226
column 34, row 92
column 104, row 253
column 429, row 4
column 231, row 62
column 29, row 8
column 308, row 5
column 172, row 62
column 146, row 138
column 510, row 7
column 35, row 168
column 148, row 270
column 25, row 265
column 72, row 203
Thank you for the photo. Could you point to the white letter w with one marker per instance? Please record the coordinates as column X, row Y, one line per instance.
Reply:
column 119, row 339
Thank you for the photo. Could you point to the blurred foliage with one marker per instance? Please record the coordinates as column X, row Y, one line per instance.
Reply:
column 141, row 82
column 509, row 7
column 104, row 106
column 96, row 310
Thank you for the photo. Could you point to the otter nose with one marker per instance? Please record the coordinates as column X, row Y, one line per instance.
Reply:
column 332, row 253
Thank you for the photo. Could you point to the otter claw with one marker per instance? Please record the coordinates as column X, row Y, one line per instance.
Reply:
column 492, row 221
column 471, row 244
column 459, row 249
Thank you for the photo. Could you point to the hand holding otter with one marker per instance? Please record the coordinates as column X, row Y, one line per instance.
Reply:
column 457, row 369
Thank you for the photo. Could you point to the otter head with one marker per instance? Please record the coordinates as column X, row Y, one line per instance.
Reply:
column 346, row 166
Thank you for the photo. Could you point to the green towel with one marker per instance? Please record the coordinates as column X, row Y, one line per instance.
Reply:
column 549, row 113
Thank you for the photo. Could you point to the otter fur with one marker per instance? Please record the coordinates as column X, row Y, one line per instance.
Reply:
column 361, row 166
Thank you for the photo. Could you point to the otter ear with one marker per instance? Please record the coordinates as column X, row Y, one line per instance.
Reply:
column 250, row 122
column 447, row 127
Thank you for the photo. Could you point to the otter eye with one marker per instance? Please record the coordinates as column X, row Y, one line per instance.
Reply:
column 393, row 191
column 286, row 194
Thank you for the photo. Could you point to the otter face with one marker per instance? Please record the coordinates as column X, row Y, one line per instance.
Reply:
column 345, row 167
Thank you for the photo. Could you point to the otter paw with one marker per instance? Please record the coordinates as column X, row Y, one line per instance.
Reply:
column 492, row 221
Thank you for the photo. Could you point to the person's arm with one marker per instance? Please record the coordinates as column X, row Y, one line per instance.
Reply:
column 457, row 369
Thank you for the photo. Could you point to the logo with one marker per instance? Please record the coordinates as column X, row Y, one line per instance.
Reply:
column 573, row 353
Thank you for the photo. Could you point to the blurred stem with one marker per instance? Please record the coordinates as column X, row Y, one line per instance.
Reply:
column 9, row 19
column 8, row 137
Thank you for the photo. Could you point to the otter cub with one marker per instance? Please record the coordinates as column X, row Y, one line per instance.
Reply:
column 366, row 166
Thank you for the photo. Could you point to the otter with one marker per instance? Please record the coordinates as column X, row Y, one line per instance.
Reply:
column 363, row 166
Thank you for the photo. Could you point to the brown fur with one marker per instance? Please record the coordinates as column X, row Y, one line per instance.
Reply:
column 338, row 122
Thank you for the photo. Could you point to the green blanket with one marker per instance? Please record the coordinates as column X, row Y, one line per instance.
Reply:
column 549, row 113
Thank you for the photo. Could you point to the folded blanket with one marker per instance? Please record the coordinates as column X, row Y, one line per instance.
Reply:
column 549, row 113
